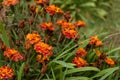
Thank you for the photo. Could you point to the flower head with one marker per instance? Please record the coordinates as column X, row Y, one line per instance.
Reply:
column 33, row 38
column 41, row 1
column 6, row 72
column 95, row 41
column 52, row 9
column 61, row 22
column 13, row 54
column 98, row 53
column 47, row 26
column 10, row 2
column 42, row 59
column 79, row 62
column 81, row 52
column 80, row 23
column 69, row 33
column 43, row 48
column 109, row 61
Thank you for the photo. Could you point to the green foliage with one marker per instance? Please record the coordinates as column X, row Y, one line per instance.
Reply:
column 85, row 9
column 60, row 65
column 20, row 73
column 3, row 35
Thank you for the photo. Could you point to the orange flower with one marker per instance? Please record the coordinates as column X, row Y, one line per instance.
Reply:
column 79, row 62
column 13, row 54
column 52, row 9
column 42, row 59
column 41, row 1
column 95, row 41
column 98, row 53
column 6, row 72
column 109, row 61
column 47, row 26
column 68, row 25
column 80, row 23
column 81, row 52
column 69, row 33
column 43, row 49
column 61, row 22
column 10, row 2
column 33, row 38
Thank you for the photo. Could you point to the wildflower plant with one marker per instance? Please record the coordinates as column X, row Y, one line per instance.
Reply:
column 39, row 41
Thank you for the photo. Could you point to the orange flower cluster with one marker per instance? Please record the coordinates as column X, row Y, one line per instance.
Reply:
column 61, row 22
column 47, row 26
column 68, row 29
column 33, row 38
column 13, row 54
column 43, row 49
column 65, row 24
column 41, row 1
column 110, row 62
column 95, row 41
column 98, row 53
column 6, row 72
column 69, row 33
column 42, row 59
column 80, row 23
column 81, row 52
column 79, row 62
column 10, row 2
column 52, row 9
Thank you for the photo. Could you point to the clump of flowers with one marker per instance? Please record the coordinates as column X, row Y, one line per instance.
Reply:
column 6, row 72
column 41, row 2
column 109, row 61
column 95, row 41
column 52, row 9
column 43, row 49
column 47, row 26
column 81, row 52
column 79, row 62
column 69, row 33
column 41, row 58
column 13, row 54
column 80, row 23
column 10, row 2
column 33, row 38
column 48, row 38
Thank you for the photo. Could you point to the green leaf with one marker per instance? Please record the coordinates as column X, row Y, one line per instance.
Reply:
column 105, row 73
column 88, row 4
column 64, row 64
column 82, row 69
column 109, row 73
column 101, row 13
column 113, row 50
column 4, row 35
column 78, row 78
column 53, row 74
column 20, row 72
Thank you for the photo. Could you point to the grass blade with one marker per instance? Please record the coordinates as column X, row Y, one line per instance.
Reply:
column 82, row 69
column 20, row 72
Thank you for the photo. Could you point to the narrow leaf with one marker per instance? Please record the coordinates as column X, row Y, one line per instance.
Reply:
column 82, row 69
column 4, row 35
column 64, row 64
column 20, row 72
column 105, row 71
